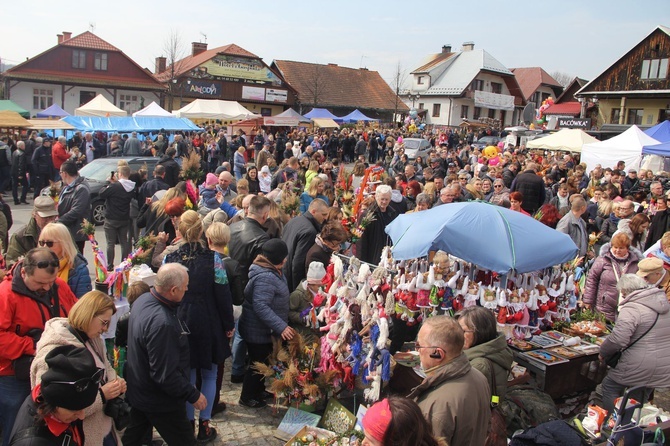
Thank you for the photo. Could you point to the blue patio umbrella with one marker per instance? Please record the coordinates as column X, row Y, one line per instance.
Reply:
column 492, row 237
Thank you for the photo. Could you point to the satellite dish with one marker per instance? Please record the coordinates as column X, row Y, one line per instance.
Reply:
column 528, row 113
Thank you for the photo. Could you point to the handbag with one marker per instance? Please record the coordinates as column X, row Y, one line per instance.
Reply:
column 613, row 360
column 497, row 430
column 118, row 410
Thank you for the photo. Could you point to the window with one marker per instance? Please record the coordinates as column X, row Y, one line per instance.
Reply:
column 634, row 116
column 420, row 105
column 478, row 113
column 616, row 114
column 492, row 113
column 419, row 80
column 464, row 111
column 654, row 69
column 477, row 84
column 436, row 110
column 266, row 111
column 79, row 59
column 128, row 102
column 664, row 115
column 496, row 87
column 42, row 98
column 100, row 61
column 503, row 115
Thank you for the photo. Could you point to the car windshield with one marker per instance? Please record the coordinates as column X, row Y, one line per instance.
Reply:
column 412, row 143
column 487, row 139
column 98, row 170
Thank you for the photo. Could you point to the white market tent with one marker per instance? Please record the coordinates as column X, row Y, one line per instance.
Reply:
column 99, row 106
column 325, row 123
column 566, row 140
column 214, row 109
column 153, row 110
column 625, row 147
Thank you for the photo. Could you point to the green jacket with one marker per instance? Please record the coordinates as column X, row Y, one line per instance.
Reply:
column 494, row 353
column 22, row 241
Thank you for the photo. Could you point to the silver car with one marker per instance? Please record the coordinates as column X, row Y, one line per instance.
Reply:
column 416, row 147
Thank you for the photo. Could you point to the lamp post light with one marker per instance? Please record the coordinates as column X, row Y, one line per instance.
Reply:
column 413, row 97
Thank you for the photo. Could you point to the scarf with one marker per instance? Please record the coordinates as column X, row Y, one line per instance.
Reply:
column 64, row 269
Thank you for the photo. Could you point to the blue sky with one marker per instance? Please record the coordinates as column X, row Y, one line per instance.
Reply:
column 580, row 38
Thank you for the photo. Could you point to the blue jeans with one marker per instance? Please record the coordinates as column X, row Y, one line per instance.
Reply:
column 208, row 388
column 12, row 394
column 239, row 353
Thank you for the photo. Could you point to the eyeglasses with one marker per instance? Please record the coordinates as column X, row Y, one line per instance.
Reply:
column 48, row 243
column 419, row 347
column 43, row 264
column 82, row 384
column 497, row 185
column 104, row 322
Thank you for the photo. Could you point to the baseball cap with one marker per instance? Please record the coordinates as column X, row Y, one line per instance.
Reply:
column 45, row 207
column 648, row 266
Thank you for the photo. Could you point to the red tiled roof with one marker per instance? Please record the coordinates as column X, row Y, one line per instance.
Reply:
column 90, row 41
column 436, row 59
column 566, row 108
column 190, row 62
column 531, row 78
column 109, row 81
column 339, row 86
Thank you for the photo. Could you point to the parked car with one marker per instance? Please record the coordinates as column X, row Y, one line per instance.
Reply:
column 416, row 147
column 98, row 171
column 485, row 141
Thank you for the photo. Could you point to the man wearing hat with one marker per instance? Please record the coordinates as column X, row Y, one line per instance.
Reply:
column 25, row 239
column 264, row 316
column 31, row 294
column 304, row 297
column 651, row 269
column 54, row 411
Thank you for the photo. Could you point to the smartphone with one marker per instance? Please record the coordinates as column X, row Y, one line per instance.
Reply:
column 112, row 174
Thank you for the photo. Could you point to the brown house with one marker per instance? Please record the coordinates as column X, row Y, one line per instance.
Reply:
column 635, row 89
column 227, row 73
column 75, row 71
column 340, row 89
column 536, row 84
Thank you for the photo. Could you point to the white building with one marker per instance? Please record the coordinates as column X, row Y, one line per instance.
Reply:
column 451, row 87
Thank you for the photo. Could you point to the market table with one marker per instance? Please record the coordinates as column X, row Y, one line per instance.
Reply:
column 578, row 374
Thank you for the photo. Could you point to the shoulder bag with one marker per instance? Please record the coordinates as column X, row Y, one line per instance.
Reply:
column 613, row 360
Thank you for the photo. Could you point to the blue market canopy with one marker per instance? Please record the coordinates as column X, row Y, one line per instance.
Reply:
column 662, row 149
column 486, row 235
column 356, row 116
column 129, row 124
column 660, row 132
column 321, row 113
column 54, row 111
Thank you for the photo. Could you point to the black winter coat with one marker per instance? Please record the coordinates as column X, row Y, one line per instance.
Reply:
column 247, row 237
column 369, row 247
column 74, row 206
column 531, row 187
column 299, row 235
column 207, row 307
column 171, row 170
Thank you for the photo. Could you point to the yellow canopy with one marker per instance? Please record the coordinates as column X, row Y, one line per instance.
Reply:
column 49, row 124
column 325, row 123
column 11, row 119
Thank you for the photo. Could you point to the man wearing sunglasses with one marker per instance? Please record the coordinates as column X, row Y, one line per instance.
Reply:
column 25, row 239
column 31, row 295
column 453, row 396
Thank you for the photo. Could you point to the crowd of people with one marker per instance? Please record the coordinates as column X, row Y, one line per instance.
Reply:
column 272, row 210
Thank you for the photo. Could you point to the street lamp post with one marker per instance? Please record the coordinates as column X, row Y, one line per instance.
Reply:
column 413, row 97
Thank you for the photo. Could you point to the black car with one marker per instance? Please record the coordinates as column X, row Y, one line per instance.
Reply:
column 98, row 171
column 485, row 141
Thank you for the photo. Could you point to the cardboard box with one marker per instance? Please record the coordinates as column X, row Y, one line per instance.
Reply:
column 316, row 432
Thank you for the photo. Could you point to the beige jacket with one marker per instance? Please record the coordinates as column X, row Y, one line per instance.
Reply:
column 455, row 399
column 96, row 424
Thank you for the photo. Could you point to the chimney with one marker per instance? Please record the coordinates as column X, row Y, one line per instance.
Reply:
column 446, row 48
column 198, row 47
column 161, row 64
column 66, row 35
column 468, row 46
column 60, row 38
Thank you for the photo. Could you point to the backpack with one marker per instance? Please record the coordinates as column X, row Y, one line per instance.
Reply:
column 525, row 406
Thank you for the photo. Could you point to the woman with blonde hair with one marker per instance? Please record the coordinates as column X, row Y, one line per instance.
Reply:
column 311, row 173
column 239, row 163
column 316, row 189
column 73, row 266
column 207, row 311
column 88, row 320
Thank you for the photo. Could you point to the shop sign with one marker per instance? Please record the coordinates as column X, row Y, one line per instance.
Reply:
column 253, row 93
column 272, row 95
column 237, row 69
column 494, row 100
column 203, row 88
column 574, row 123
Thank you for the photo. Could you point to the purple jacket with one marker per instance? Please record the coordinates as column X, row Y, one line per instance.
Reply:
column 600, row 290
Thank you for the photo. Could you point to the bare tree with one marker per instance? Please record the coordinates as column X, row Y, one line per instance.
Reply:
column 563, row 78
column 174, row 50
column 396, row 84
column 315, row 84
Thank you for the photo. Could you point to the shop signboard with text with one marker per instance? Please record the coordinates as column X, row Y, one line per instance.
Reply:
column 236, row 69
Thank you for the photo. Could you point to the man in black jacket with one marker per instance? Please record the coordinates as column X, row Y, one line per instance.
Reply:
column 300, row 235
column 19, row 170
column 171, row 167
column 74, row 204
column 117, row 195
column 531, row 187
column 158, row 363
column 149, row 188
column 42, row 164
